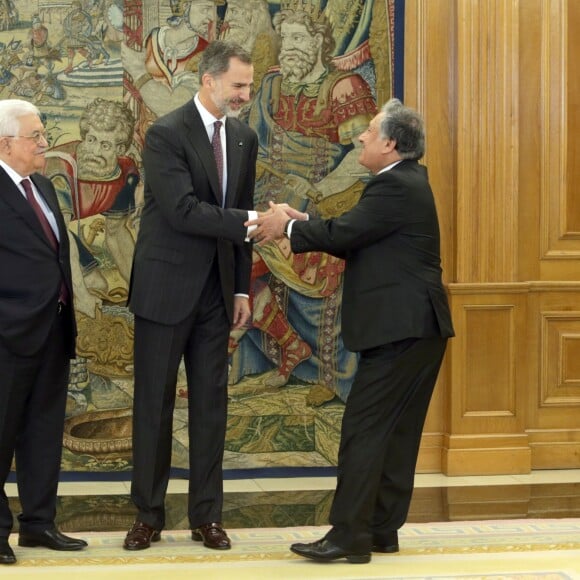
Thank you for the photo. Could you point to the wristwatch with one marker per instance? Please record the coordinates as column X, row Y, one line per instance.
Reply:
column 286, row 234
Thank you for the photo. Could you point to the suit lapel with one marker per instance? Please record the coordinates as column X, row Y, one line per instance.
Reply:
column 197, row 136
column 14, row 198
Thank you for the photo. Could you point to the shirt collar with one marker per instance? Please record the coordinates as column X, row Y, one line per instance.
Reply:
column 207, row 118
column 14, row 175
column 389, row 167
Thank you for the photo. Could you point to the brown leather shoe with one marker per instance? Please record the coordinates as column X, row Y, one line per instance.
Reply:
column 140, row 536
column 212, row 535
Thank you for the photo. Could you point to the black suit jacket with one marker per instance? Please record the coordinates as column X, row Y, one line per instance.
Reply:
column 390, row 240
column 183, row 229
column 30, row 270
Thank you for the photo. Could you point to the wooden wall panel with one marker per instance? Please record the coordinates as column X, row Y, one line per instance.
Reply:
column 553, row 414
column 487, row 140
column 560, row 359
column 573, row 118
column 560, row 123
column 489, row 340
column 429, row 89
column 488, row 381
column 498, row 82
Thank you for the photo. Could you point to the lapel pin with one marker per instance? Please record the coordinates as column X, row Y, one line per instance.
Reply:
column 240, row 143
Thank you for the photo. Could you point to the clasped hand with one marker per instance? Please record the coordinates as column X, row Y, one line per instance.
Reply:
column 270, row 224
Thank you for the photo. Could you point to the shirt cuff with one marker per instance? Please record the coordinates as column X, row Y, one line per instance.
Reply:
column 252, row 215
column 291, row 224
column 289, row 228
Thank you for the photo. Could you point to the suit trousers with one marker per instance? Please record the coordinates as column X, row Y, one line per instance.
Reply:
column 32, row 408
column 202, row 340
column 381, row 432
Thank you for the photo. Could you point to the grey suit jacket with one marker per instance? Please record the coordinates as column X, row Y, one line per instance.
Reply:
column 183, row 229
column 390, row 240
column 30, row 270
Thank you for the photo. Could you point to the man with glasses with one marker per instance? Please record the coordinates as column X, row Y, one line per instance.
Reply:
column 37, row 332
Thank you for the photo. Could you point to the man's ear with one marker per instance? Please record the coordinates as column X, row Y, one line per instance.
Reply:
column 4, row 144
column 207, row 80
column 389, row 145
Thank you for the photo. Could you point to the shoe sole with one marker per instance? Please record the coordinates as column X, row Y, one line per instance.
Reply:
column 34, row 544
column 350, row 558
column 197, row 537
column 385, row 549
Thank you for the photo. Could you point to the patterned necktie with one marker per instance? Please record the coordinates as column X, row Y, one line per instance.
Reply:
column 63, row 293
column 216, row 143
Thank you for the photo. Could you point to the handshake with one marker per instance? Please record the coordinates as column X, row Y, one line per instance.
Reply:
column 270, row 224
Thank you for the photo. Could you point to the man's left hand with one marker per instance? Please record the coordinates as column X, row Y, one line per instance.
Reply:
column 242, row 312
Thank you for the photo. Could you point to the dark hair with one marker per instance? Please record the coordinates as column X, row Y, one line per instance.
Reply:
column 215, row 59
column 406, row 127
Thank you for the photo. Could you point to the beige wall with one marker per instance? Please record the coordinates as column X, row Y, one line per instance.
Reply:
column 499, row 84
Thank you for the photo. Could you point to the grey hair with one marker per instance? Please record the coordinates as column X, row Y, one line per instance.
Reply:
column 10, row 112
column 215, row 59
column 405, row 126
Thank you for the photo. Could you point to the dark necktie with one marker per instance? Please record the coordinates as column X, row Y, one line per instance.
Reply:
column 39, row 213
column 216, row 143
column 63, row 294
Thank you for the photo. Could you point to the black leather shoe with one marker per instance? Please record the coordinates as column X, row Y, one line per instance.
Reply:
column 6, row 554
column 52, row 539
column 325, row 551
column 387, row 543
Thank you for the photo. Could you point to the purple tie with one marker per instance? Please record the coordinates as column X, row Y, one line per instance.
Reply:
column 216, row 143
column 63, row 294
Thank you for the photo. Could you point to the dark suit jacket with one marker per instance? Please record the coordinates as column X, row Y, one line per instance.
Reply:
column 183, row 229
column 30, row 270
column 390, row 240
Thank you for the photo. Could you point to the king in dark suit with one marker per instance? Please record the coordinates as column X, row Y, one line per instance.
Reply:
column 37, row 331
column 395, row 314
column 189, row 287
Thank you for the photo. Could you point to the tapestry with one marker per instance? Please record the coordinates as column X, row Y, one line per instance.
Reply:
column 101, row 71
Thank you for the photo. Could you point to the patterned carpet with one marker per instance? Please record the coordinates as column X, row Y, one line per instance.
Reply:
column 506, row 549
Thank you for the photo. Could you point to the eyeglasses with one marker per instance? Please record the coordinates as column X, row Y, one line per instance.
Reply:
column 38, row 137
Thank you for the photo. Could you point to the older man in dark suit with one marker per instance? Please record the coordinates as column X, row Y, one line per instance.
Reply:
column 396, row 315
column 37, row 331
column 189, row 287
